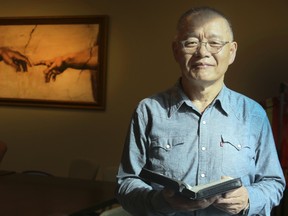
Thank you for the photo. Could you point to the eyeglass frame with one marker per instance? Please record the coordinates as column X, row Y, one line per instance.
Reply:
column 223, row 43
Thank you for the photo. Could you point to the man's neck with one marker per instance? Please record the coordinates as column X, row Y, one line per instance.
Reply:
column 202, row 95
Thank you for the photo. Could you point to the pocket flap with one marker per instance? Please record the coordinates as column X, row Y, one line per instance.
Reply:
column 233, row 141
column 167, row 143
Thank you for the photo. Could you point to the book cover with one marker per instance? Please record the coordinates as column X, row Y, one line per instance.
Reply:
column 192, row 192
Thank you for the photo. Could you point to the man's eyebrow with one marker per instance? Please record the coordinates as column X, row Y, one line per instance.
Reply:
column 210, row 36
column 192, row 34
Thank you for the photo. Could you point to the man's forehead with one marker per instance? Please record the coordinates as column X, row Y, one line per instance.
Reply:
column 202, row 19
column 216, row 24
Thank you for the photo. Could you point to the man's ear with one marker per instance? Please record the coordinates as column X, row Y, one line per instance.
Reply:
column 233, row 50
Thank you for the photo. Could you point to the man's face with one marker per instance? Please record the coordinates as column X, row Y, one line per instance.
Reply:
column 203, row 67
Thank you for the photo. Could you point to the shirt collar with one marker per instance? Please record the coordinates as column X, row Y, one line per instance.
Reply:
column 178, row 98
column 221, row 101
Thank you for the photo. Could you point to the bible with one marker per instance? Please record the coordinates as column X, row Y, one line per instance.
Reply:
column 192, row 192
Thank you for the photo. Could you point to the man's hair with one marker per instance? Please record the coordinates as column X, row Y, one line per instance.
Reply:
column 202, row 11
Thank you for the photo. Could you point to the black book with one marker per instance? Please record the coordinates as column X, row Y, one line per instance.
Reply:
column 192, row 192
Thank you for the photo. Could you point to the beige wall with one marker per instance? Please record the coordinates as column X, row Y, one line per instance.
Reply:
column 139, row 63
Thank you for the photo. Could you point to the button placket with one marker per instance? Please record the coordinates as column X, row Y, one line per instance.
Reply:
column 203, row 160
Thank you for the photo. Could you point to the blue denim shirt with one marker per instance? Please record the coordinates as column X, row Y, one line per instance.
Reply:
column 232, row 137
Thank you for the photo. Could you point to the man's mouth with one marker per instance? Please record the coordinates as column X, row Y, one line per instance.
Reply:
column 201, row 65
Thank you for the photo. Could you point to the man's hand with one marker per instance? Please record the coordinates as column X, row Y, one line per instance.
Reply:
column 55, row 67
column 85, row 59
column 181, row 203
column 233, row 202
column 14, row 59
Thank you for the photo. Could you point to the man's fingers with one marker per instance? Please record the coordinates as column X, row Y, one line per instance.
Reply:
column 42, row 62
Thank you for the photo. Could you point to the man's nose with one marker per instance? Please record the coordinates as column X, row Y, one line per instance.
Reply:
column 202, row 49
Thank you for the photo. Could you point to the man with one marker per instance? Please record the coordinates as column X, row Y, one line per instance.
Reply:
column 200, row 131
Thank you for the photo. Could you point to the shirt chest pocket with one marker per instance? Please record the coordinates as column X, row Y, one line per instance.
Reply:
column 238, row 157
column 165, row 153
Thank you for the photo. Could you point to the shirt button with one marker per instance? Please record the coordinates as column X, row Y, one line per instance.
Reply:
column 204, row 122
column 203, row 148
column 239, row 146
column 168, row 146
column 203, row 175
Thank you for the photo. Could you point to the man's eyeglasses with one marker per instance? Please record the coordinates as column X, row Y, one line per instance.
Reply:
column 191, row 45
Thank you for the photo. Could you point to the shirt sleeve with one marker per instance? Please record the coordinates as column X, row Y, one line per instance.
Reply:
column 269, row 183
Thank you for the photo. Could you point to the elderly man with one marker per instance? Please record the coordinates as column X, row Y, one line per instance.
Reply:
column 200, row 131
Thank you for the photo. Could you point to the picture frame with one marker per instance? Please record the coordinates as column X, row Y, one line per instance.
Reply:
column 54, row 61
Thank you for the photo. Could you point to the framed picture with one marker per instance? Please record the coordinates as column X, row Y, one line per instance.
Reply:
column 54, row 61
